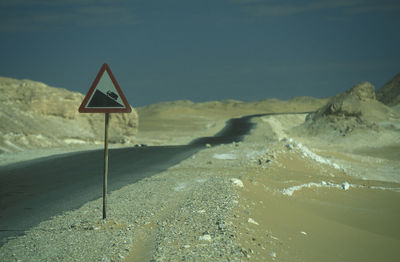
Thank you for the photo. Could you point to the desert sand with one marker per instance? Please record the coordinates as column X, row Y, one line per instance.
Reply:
column 305, row 212
column 323, row 186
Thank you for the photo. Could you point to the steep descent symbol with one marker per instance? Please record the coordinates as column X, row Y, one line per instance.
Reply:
column 105, row 95
column 99, row 99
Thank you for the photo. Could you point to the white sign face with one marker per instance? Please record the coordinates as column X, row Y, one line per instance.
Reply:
column 105, row 95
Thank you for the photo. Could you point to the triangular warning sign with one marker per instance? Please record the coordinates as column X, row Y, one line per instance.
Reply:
column 105, row 95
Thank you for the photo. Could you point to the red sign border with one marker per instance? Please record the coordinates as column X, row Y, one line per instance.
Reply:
column 83, row 109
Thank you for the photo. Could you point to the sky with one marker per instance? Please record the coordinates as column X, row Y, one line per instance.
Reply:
column 163, row 50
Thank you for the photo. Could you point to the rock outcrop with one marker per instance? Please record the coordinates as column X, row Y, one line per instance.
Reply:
column 389, row 94
column 354, row 109
column 34, row 115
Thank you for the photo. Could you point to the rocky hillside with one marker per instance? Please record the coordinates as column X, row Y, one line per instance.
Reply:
column 389, row 94
column 34, row 115
column 352, row 110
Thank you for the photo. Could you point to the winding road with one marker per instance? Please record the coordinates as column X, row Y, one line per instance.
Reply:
column 33, row 191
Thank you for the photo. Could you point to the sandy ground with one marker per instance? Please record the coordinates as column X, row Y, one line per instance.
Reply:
column 302, row 199
column 298, row 203
column 304, row 214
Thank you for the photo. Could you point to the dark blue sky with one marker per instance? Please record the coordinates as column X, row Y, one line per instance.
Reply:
column 203, row 50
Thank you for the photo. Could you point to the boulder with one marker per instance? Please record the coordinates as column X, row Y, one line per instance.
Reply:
column 354, row 109
column 349, row 103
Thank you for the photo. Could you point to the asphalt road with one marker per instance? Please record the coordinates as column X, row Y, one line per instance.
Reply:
column 34, row 191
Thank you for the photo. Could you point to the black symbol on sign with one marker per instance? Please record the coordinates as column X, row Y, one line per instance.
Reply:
column 99, row 99
column 112, row 95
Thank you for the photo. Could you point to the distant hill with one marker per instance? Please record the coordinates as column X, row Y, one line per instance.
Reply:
column 35, row 115
column 389, row 94
column 176, row 113
column 178, row 122
column 232, row 108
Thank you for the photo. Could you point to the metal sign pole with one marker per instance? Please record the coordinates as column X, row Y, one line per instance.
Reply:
column 105, row 166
